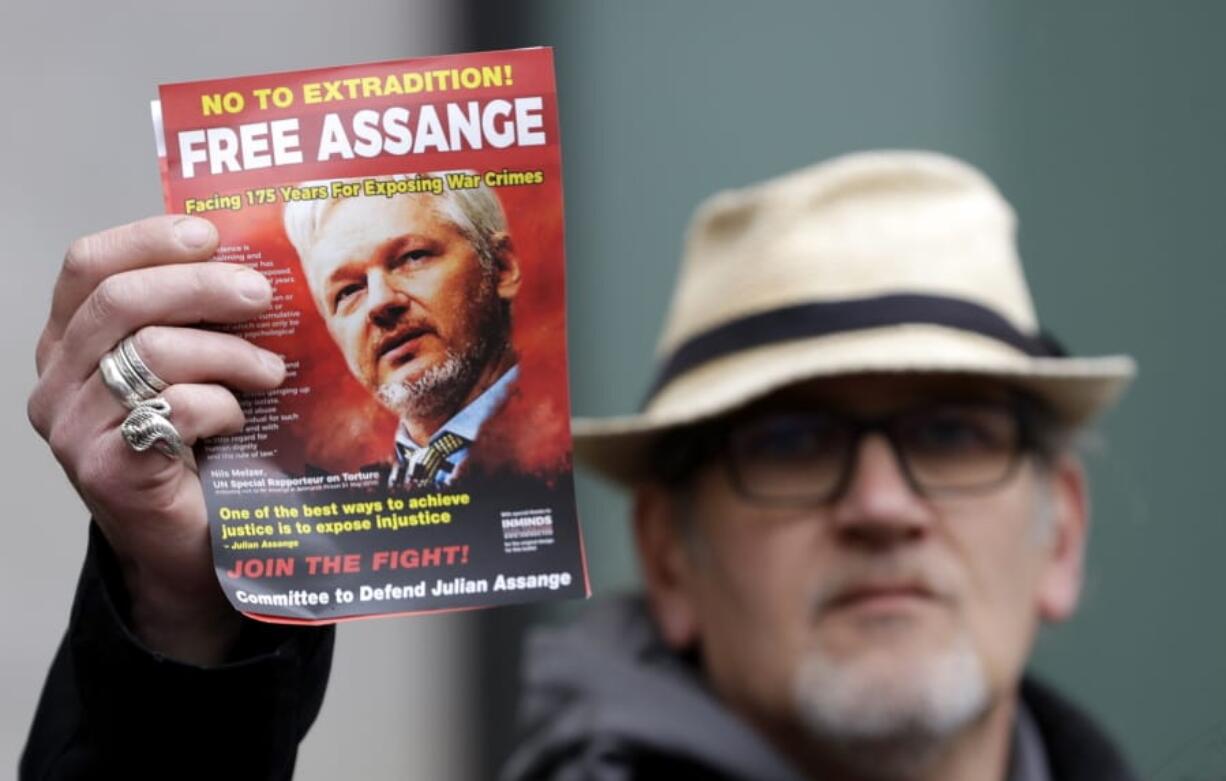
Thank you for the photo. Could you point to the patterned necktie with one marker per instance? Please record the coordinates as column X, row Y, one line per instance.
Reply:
column 428, row 461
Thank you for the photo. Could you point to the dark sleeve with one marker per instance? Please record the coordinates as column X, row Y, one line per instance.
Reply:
column 111, row 708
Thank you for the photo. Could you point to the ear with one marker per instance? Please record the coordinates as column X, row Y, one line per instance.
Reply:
column 664, row 557
column 1060, row 585
column 506, row 265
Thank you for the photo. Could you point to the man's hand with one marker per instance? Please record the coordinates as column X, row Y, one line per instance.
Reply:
column 147, row 279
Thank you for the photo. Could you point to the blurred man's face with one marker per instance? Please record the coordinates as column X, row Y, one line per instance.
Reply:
column 881, row 613
column 407, row 299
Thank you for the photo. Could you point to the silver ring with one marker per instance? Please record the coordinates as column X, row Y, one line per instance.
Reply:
column 127, row 351
column 128, row 376
column 118, row 383
column 148, row 425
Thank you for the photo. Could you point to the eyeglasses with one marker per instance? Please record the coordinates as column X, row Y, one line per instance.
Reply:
column 805, row 458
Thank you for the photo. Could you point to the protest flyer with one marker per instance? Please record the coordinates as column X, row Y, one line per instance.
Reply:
column 408, row 216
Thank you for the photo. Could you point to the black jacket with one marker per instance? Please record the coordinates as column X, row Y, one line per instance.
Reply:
column 604, row 701
column 110, row 709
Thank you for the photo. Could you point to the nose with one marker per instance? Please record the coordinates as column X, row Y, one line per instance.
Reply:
column 878, row 507
column 386, row 304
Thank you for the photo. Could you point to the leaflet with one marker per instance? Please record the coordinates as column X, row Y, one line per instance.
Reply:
column 408, row 216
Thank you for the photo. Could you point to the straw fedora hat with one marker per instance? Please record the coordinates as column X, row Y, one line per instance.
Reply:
column 890, row 261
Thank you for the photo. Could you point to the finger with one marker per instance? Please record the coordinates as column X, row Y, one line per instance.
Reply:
column 199, row 411
column 90, row 259
column 192, row 355
column 108, row 463
column 84, row 436
column 179, row 295
column 176, row 356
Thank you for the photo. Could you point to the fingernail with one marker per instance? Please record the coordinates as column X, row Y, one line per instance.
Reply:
column 253, row 286
column 193, row 233
column 274, row 362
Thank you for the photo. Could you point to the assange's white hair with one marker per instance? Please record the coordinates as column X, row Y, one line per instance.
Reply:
column 476, row 211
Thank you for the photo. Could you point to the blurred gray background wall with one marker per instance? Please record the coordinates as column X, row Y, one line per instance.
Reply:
column 77, row 156
column 1103, row 122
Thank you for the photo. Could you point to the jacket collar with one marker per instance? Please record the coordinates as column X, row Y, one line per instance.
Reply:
column 609, row 684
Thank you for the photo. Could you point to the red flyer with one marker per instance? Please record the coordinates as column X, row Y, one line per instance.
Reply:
column 409, row 217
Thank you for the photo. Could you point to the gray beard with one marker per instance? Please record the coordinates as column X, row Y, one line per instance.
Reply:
column 884, row 727
column 439, row 389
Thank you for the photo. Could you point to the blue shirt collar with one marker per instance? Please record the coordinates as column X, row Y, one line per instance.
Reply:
column 466, row 423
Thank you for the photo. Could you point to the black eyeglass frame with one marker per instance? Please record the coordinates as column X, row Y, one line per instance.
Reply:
column 694, row 447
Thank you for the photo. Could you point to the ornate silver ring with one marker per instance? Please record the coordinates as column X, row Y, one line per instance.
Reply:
column 128, row 376
column 118, row 382
column 127, row 351
column 148, row 425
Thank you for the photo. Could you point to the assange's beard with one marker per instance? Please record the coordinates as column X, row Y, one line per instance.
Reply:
column 443, row 387
column 438, row 389
column 888, row 722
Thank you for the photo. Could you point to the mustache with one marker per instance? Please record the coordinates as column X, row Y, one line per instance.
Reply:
column 407, row 330
column 887, row 574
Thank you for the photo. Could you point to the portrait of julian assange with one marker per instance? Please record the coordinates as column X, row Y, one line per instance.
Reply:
column 416, row 289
